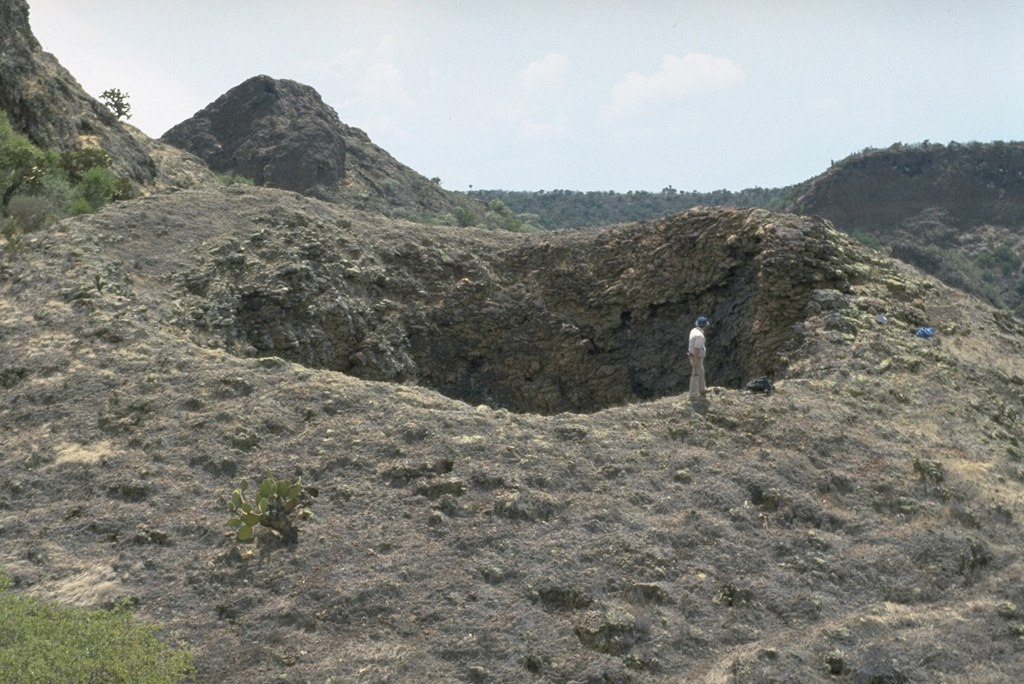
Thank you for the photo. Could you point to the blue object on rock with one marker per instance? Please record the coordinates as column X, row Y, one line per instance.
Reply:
column 925, row 332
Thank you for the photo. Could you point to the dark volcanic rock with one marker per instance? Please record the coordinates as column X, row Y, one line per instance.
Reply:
column 48, row 105
column 569, row 321
column 277, row 132
column 878, row 190
column 281, row 134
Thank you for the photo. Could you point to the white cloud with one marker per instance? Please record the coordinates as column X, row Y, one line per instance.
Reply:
column 677, row 78
column 382, row 87
column 535, row 113
column 344, row 65
column 373, row 82
column 544, row 73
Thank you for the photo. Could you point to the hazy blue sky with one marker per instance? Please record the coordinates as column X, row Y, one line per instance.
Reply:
column 583, row 95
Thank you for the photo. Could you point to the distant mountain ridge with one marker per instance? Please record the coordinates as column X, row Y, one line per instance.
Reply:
column 875, row 191
column 955, row 211
column 576, row 209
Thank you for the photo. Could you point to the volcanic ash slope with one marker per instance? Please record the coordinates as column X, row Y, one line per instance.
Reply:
column 512, row 483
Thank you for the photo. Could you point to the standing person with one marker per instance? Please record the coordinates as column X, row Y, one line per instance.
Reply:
column 697, row 351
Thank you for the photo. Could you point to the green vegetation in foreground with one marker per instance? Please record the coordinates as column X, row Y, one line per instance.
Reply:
column 39, row 187
column 276, row 504
column 46, row 643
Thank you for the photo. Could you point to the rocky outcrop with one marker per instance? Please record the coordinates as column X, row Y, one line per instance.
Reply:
column 48, row 105
column 281, row 134
column 603, row 318
column 277, row 132
column 574, row 321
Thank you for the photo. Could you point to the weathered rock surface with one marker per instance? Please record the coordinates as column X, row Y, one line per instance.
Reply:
column 278, row 133
column 281, row 134
column 46, row 103
column 547, row 323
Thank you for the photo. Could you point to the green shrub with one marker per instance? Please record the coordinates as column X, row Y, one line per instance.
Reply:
column 46, row 186
column 277, row 504
column 234, row 179
column 21, row 163
column 11, row 232
column 97, row 187
column 465, row 217
column 32, row 212
column 46, row 643
column 58, row 191
column 867, row 239
column 76, row 162
column 81, row 206
column 1002, row 258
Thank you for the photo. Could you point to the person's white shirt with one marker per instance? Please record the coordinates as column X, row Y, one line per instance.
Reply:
column 697, row 343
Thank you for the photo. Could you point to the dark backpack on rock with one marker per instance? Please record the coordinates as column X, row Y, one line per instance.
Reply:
column 762, row 384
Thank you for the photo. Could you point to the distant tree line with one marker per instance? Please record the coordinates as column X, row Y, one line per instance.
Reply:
column 575, row 209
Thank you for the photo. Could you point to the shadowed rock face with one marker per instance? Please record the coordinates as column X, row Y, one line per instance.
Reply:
column 48, row 105
column 604, row 319
column 277, row 132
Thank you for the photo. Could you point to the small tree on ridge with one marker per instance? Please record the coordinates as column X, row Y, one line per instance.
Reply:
column 117, row 102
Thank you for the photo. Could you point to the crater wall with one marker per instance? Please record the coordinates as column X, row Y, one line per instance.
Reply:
column 570, row 321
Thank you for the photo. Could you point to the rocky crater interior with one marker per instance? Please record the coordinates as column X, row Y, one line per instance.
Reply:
column 571, row 321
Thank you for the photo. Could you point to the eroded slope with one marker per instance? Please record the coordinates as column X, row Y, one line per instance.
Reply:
column 861, row 524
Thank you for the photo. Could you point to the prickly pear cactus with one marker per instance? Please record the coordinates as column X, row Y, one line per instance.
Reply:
column 277, row 504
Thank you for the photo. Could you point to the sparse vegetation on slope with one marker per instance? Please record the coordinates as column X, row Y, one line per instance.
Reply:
column 575, row 209
column 955, row 211
column 862, row 522
column 40, row 187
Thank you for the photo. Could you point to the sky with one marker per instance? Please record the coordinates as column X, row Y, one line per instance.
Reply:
column 577, row 95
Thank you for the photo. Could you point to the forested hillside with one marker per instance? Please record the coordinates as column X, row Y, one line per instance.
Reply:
column 575, row 209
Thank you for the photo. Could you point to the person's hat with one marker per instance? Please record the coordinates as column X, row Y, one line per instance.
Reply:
column 702, row 322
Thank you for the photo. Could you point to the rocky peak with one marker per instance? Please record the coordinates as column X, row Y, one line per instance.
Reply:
column 277, row 132
column 281, row 134
column 45, row 102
